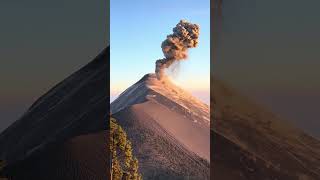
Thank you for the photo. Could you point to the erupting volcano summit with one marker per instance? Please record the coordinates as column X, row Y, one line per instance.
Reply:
column 175, row 47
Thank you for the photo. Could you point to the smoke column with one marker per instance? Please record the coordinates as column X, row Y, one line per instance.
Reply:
column 175, row 47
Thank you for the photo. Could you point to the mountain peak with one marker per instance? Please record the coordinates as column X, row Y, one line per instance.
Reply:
column 151, row 79
column 149, row 88
column 147, row 77
column 167, row 126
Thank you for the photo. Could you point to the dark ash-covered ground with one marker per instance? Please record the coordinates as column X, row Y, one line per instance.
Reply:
column 251, row 143
column 63, row 134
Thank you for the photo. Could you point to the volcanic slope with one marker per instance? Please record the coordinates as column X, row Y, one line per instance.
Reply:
column 168, row 127
column 251, row 143
column 63, row 134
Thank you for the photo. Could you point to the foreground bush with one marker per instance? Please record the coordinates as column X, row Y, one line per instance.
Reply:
column 124, row 165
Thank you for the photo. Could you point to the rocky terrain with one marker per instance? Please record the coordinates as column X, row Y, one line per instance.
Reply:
column 169, row 129
column 63, row 135
column 249, row 142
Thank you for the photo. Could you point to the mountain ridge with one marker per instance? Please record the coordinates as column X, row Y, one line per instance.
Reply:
column 260, row 133
column 176, row 126
column 72, row 114
column 166, row 88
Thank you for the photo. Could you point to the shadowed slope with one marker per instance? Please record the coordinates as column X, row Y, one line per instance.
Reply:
column 83, row 157
column 76, row 106
column 266, row 147
column 160, row 155
column 168, row 127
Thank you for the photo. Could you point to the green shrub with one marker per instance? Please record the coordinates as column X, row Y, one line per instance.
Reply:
column 124, row 165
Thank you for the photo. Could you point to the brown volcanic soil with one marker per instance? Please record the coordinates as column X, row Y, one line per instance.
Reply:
column 63, row 129
column 194, row 136
column 230, row 162
column 160, row 155
column 168, row 127
column 82, row 157
column 249, row 142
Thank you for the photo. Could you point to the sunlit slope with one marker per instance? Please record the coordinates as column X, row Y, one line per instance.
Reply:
column 168, row 127
column 271, row 143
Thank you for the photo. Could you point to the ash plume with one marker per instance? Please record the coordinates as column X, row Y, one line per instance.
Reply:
column 175, row 47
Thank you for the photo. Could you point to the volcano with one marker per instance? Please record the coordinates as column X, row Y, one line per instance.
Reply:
column 63, row 135
column 168, row 127
column 248, row 142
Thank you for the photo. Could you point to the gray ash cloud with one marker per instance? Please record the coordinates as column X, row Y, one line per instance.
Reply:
column 175, row 46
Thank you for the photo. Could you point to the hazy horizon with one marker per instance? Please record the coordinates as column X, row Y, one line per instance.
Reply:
column 270, row 53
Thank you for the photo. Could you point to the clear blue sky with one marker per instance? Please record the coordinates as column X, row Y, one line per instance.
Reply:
column 137, row 31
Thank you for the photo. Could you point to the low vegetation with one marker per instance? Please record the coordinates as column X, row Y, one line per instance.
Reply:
column 124, row 165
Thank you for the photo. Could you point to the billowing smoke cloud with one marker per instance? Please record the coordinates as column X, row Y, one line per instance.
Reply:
column 175, row 47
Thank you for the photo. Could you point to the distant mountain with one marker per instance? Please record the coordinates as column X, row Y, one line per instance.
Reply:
column 168, row 127
column 250, row 143
column 63, row 134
